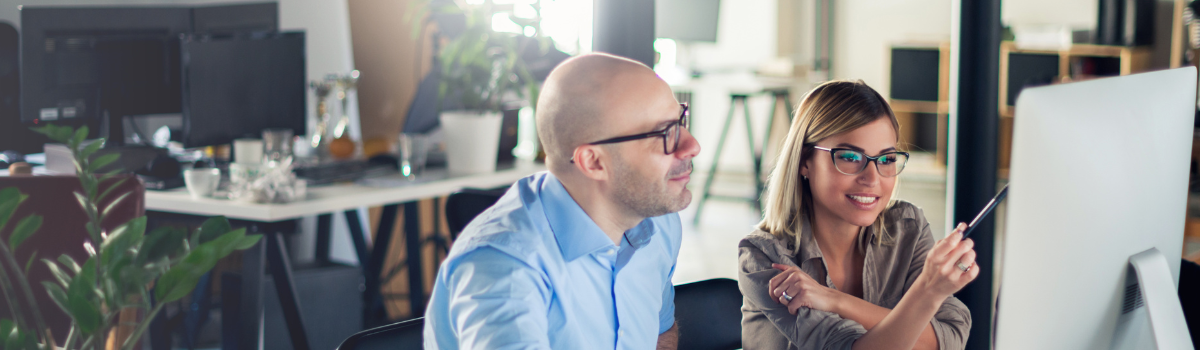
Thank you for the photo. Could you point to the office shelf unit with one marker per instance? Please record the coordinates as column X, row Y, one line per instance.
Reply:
column 1020, row 68
column 920, row 95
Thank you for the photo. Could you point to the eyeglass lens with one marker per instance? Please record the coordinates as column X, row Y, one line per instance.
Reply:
column 674, row 133
column 853, row 162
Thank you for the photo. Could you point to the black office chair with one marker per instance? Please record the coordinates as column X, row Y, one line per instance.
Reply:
column 709, row 315
column 462, row 207
column 465, row 205
column 399, row 335
column 1189, row 298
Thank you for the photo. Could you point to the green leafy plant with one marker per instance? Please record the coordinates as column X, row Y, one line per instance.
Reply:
column 119, row 271
column 481, row 67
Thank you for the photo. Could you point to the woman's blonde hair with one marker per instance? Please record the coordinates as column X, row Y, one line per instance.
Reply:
column 830, row 109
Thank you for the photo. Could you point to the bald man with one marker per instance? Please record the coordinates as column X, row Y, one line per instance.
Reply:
column 580, row 257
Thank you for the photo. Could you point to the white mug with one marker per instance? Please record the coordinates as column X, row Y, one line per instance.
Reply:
column 201, row 183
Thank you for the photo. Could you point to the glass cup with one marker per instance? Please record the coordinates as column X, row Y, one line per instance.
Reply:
column 413, row 150
column 277, row 144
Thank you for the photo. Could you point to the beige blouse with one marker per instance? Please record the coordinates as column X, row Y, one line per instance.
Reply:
column 889, row 269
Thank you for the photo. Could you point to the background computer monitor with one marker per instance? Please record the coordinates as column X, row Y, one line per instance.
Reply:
column 1099, row 173
column 95, row 65
column 237, row 86
column 687, row 20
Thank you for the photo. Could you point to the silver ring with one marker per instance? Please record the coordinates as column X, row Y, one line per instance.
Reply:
column 964, row 267
column 786, row 296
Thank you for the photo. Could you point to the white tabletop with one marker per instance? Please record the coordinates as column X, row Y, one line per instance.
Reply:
column 335, row 198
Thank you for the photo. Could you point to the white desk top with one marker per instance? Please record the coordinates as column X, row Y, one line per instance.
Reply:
column 335, row 198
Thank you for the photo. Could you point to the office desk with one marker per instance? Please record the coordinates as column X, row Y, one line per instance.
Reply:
column 324, row 200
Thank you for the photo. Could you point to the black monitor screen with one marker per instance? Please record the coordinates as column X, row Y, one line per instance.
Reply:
column 82, row 62
column 915, row 73
column 236, row 87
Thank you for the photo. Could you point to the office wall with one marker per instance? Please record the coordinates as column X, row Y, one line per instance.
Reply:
column 865, row 29
column 745, row 37
column 387, row 55
column 1078, row 14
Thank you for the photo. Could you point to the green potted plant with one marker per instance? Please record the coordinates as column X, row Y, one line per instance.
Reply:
column 116, row 275
column 480, row 69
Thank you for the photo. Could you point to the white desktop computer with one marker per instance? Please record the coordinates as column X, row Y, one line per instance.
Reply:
column 1096, row 207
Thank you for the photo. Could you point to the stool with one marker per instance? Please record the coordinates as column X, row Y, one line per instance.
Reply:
column 756, row 153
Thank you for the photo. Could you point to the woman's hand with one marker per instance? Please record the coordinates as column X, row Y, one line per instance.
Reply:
column 944, row 274
column 802, row 289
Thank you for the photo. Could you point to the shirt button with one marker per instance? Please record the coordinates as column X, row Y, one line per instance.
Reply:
column 621, row 333
column 611, row 251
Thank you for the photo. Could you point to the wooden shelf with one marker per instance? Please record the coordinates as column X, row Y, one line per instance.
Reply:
column 1131, row 60
column 906, row 110
column 910, row 106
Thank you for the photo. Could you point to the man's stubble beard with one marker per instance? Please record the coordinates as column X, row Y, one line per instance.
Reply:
column 649, row 197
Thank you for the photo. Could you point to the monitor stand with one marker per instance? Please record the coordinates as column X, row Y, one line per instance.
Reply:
column 1149, row 283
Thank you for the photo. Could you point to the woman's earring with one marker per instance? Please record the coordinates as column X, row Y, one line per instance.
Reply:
column 805, row 177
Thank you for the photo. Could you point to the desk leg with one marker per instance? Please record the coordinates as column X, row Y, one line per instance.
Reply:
column 412, row 236
column 281, row 271
column 377, row 315
column 364, row 259
column 250, row 311
column 324, row 228
column 359, row 239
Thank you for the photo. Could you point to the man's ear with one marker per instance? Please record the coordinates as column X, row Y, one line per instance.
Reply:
column 591, row 161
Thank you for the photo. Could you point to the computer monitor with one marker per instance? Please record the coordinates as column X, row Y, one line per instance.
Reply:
column 238, row 86
column 687, row 20
column 81, row 62
column 94, row 65
column 1096, row 207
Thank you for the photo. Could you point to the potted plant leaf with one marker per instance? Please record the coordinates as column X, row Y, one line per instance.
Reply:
column 480, row 70
column 119, row 271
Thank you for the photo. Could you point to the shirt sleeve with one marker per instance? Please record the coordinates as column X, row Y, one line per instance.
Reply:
column 808, row 329
column 666, row 315
column 498, row 302
column 952, row 322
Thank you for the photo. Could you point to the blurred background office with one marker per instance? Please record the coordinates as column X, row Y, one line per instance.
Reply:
column 742, row 65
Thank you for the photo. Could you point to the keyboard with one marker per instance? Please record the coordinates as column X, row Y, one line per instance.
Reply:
column 342, row 171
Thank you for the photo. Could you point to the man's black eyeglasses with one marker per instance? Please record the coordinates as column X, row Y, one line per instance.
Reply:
column 670, row 135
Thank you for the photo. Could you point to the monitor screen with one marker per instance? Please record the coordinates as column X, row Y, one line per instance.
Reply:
column 83, row 62
column 235, row 87
column 1099, row 174
column 687, row 20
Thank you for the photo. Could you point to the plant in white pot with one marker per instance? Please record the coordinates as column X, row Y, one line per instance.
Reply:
column 480, row 70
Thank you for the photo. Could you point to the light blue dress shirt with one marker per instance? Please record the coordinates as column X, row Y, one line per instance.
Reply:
column 535, row 272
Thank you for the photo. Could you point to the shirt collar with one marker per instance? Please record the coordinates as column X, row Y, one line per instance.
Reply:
column 807, row 249
column 577, row 235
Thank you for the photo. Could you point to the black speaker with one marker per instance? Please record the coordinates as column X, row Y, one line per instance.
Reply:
column 1125, row 22
column 9, row 70
column 915, row 73
column 1028, row 70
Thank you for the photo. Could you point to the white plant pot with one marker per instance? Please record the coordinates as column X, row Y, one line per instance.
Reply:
column 472, row 141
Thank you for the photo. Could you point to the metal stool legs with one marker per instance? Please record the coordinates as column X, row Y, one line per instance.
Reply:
column 756, row 153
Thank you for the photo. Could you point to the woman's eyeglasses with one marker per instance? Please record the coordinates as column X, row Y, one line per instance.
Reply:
column 851, row 162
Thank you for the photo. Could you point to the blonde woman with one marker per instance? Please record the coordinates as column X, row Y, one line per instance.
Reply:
column 837, row 263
